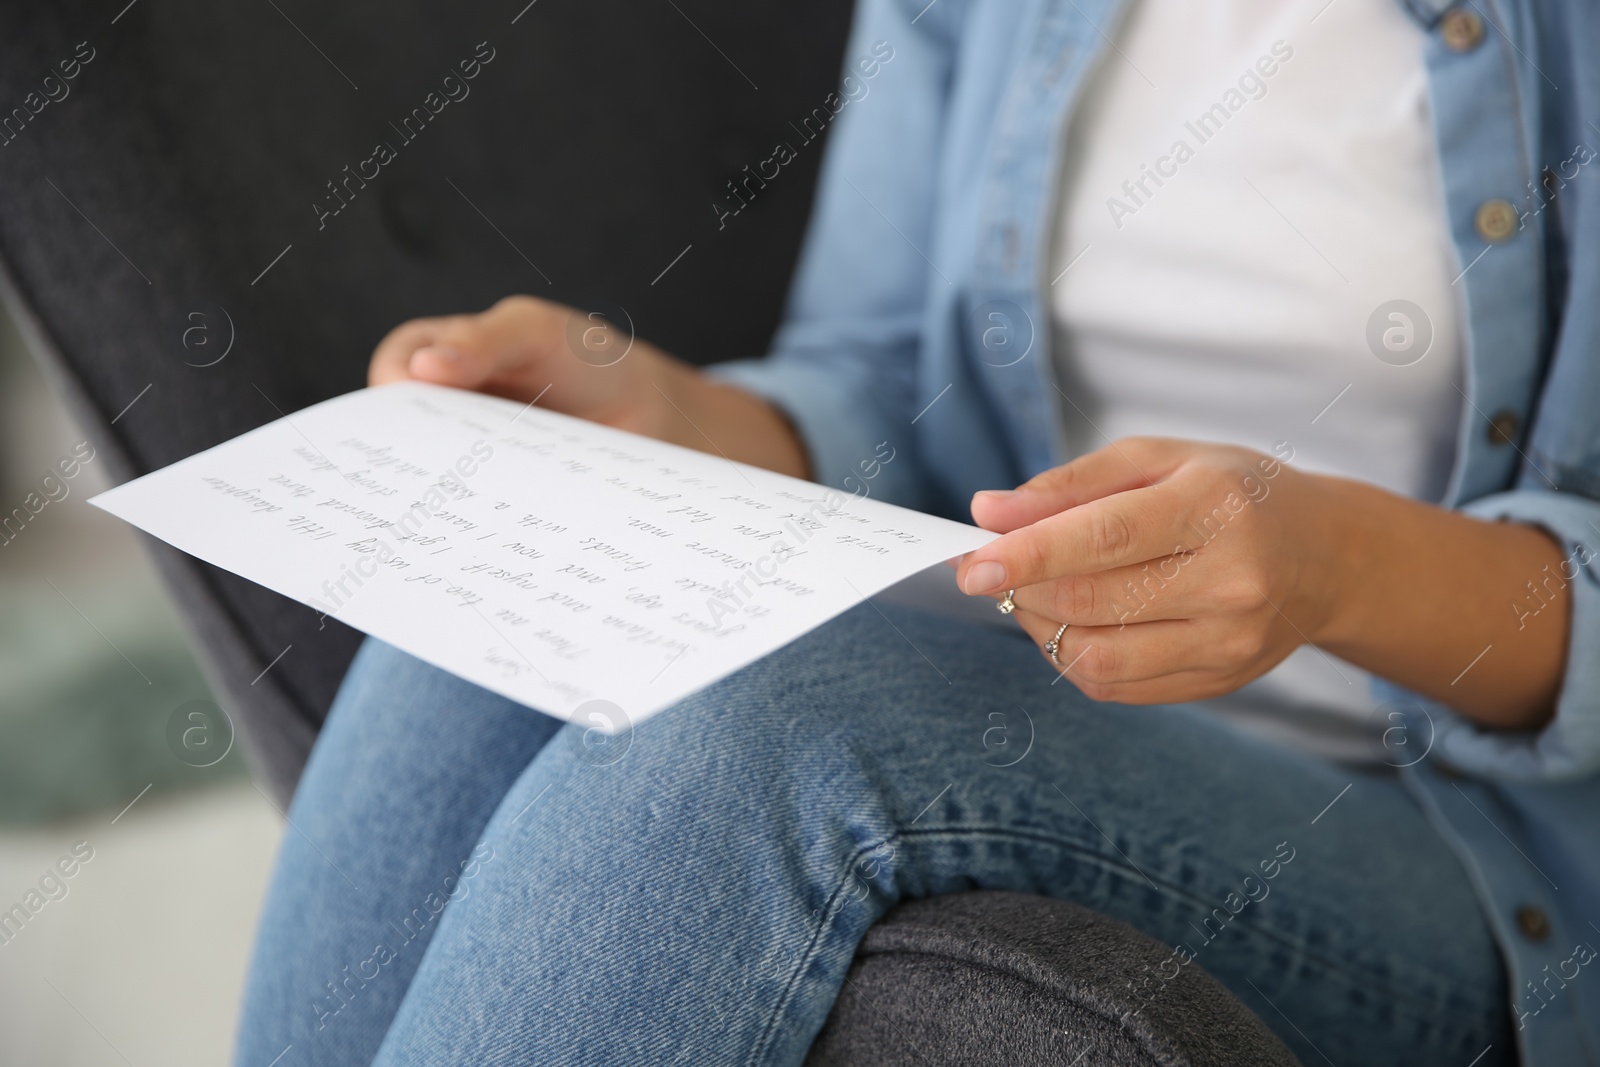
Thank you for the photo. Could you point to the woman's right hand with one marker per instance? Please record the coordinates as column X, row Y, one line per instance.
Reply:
column 524, row 348
column 527, row 349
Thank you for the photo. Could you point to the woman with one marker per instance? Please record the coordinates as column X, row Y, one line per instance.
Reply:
column 1282, row 316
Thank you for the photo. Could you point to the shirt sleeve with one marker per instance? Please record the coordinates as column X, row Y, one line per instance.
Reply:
column 843, row 365
column 1569, row 745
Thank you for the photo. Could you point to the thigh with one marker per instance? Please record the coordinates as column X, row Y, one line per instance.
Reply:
column 697, row 894
column 382, row 834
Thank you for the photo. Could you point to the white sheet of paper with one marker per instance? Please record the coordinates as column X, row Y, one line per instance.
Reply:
column 546, row 558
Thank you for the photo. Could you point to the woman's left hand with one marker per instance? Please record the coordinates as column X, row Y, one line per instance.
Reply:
column 1183, row 569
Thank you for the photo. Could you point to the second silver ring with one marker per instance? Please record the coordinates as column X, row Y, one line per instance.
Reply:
column 1053, row 645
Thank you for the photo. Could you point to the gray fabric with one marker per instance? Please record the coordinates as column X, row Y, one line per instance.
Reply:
column 275, row 730
column 1007, row 978
column 187, row 153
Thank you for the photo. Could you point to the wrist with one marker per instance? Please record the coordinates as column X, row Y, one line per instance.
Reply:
column 1420, row 595
column 679, row 403
column 651, row 395
column 1345, row 537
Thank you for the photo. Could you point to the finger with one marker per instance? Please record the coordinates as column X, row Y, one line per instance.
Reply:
column 1039, row 627
column 392, row 358
column 1129, row 528
column 1180, row 688
column 1074, row 645
column 491, row 351
column 1167, row 588
column 484, row 351
column 1128, row 463
column 456, row 351
column 1087, row 653
column 1118, row 655
column 1104, row 658
column 1069, row 653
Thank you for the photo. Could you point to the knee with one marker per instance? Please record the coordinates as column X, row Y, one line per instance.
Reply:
column 797, row 731
column 813, row 704
column 384, row 676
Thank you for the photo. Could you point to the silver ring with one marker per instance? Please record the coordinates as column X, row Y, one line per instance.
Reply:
column 1007, row 606
column 1053, row 645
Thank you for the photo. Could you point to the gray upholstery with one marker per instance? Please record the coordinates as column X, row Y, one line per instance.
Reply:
column 188, row 153
column 186, row 157
column 1007, row 978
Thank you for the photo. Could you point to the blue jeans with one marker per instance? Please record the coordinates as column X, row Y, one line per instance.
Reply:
column 693, row 893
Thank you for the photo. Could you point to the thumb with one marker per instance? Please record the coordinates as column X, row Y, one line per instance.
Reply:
column 446, row 351
column 493, row 351
column 460, row 356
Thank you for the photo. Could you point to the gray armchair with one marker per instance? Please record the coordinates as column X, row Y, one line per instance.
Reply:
column 189, row 244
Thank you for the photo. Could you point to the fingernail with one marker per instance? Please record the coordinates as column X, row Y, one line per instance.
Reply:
column 998, row 494
column 985, row 577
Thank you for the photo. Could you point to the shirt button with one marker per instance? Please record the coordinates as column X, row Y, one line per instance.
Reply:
column 1462, row 30
column 1504, row 427
column 1533, row 922
column 1496, row 220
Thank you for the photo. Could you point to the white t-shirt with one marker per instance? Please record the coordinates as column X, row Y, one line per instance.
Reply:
column 1249, row 187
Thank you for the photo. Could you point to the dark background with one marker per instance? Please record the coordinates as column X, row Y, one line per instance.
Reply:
column 135, row 214
column 188, row 155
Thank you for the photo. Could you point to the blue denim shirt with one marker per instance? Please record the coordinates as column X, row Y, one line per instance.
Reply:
column 918, row 318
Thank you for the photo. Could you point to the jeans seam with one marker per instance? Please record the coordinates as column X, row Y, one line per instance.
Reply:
column 810, row 954
column 1423, row 1013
